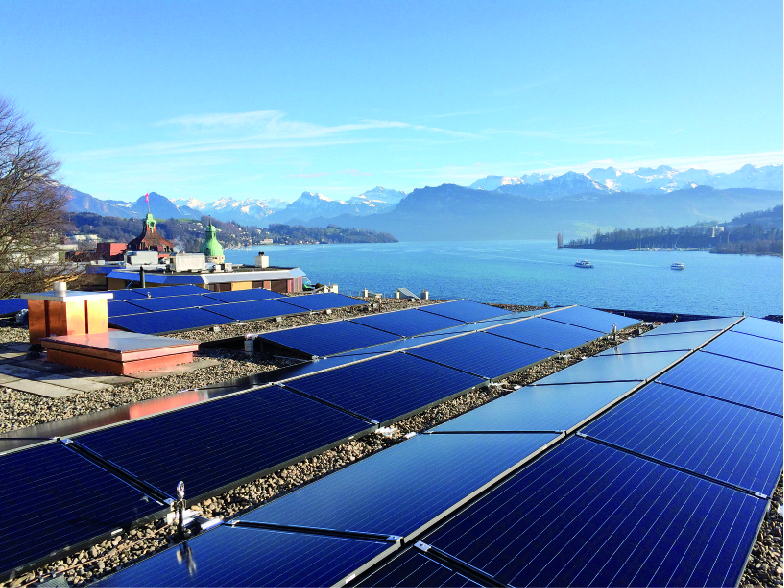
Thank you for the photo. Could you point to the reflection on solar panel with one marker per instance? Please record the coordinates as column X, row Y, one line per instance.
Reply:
column 717, row 439
column 412, row 568
column 55, row 498
column 748, row 348
column 614, row 368
column 387, row 388
column 466, row 311
column 737, row 381
column 127, row 295
column 548, row 334
column 760, row 328
column 217, row 443
column 691, row 327
column 12, row 305
column 483, row 354
column 164, row 291
column 174, row 302
column 590, row 318
column 322, row 301
column 535, row 408
column 514, row 316
column 242, row 557
column 589, row 515
column 407, row 323
column 122, row 308
column 674, row 342
column 169, row 321
column 328, row 338
column 255, row 309
column 400, row 489
column 244, row 295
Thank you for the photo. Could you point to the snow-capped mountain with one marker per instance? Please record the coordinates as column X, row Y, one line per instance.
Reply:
column 311, row 205
column 569, row 184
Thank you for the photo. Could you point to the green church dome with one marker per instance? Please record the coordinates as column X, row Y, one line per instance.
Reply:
column 211, row 247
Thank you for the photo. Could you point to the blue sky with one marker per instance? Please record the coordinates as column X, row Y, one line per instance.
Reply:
column 267, row 99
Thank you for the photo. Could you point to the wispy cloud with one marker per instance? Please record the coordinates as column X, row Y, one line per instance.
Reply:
column 354, row 172
column 580, row 136
column 70, row 132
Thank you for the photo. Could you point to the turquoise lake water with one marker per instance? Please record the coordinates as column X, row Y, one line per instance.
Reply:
column 530, row 272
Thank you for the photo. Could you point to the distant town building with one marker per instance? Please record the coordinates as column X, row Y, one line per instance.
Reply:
column 150, row 240
column 111, row 251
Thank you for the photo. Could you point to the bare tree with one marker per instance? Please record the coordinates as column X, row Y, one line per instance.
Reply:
column 32, row 209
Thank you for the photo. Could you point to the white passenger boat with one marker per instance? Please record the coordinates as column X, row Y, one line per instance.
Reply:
column 583, row 263
column 677, row 266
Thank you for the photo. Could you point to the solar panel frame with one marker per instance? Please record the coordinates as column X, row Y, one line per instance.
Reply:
column 615, row 368
column 716, row 439
column 548, row 334
column 169, row 321
column 174, row 302
column 674, row 342
column 483, row 354
column 123, row 308
column 232, row 443
column 748, row 348
column 588, row 515
column 387, row 388
column 718, row 324
column 244, row 295
column 126, row 295
column 314, row 302
column 590, row 318
column 760, row 328
column 325, row 339
column 407, row 323
column 466, row 311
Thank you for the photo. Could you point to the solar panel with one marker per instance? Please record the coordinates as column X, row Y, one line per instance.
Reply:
column 123, row 307
column 255, row 309
column 717, row 439
column 126, row 295
column 244, row 295
column 590, row 318
column 737, row 381
column 466, row 311
column 760, row 328
column 217, row 443
column 174, row 302
column 614, row 368
column 55, row 498
column 514, row 316
column 589, row 515
column 482, row 354
column 322, row 301
column 240, row 557
column 539, row 408
column 674, row 342
column 407, row 323
column 548, row 334
column 400, row 489
column 748, row 348
column 718, row 324
column 12, row 305
column 328, row 338
column 412, row 568
column 388, row 387
column 164, row 291
column 169, row 321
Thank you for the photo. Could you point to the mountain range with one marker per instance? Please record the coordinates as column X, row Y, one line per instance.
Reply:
column 533, row 206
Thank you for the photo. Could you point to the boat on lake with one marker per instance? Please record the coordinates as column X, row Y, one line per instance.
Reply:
column 584, row 263
column 677, row 266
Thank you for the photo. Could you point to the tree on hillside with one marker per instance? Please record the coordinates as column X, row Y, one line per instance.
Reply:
column 32, row 209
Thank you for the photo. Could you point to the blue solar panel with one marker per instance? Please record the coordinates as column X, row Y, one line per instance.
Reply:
column 169, row 321
column 539, row 408
column 164, row 291
column 723, row 441
column 219, row 442
column 412, row 568
column 482, row 354
column 692, row 327
column 255, row 309
column 589, row 515
column 126, row 295
column 322, row 301
column 54, row 498
column 614, row 368
column 328, row 338
column 122, row 308
column 748, row 348
column 590, row 318
column 407, row 323
column 404, row 487
column 737, row 381
column 466, row 311
column 244, row 295
column 674, row 342
column 386, row 388
column 240, row 557
column 174, row 302
column 760, row 328
column 548, row 334
column 12, row 305
column 513, row 316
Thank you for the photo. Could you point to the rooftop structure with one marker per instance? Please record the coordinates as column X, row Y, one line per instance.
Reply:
column 212, row 249
column 149, row 239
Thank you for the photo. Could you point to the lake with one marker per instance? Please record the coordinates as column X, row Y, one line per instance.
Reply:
column 532, row 272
